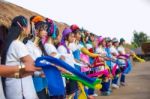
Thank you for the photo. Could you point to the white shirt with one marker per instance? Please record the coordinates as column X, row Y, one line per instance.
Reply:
column 101, row 51
column 74, row 46
column 50, row 48
column 121, row 49
column 114, row 50
column 1, row 90
column 1, row 87
column 68, row 56
column 15, row 87
column 34, row 51
column 89, row 46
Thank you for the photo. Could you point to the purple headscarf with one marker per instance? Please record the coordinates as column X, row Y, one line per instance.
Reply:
column 66, row 32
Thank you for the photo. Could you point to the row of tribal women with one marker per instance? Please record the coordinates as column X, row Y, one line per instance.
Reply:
column 23, row 46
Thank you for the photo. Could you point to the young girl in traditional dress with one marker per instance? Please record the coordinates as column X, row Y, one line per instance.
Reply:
column 36, row 49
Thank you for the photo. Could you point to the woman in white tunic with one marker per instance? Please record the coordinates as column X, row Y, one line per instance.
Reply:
column 16, row 53
column 36, row 49
column 53, row 39
column 67, row 38
column 121, row 51
column 115, row 54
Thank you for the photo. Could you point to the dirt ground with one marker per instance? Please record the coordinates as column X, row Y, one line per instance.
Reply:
column 138, row 84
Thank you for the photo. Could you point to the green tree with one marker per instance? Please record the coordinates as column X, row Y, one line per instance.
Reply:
column 139, row 38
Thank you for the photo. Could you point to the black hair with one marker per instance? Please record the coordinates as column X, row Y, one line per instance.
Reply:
column 42, row 48
column 3, row 34
column 13, row 33
column 39, row 26
column 77, row 31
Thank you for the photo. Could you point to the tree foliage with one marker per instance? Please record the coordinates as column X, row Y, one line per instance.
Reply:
column 139, row 38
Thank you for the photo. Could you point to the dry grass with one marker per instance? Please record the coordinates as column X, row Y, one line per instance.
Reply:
column 8, row 11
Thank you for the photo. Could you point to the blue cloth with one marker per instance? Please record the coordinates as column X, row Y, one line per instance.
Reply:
column 39, row 83
column 76, row 54
column 90, row 91
column 45, row 61
column 54, row 79
column 108, row 54
column 115, row 80
column 129, row 67
column 77, row 67
column 122, row 79
column 76, row 95
column 105, row 86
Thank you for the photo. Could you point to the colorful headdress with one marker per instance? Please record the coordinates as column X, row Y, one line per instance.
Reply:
column 52, row 29
column 65, row 33
column 74, row 28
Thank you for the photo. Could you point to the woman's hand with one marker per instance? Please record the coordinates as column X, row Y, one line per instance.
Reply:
column 62, row 57
column 28, row 70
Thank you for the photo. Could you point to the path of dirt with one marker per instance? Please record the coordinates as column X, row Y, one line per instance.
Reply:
column 138, row 84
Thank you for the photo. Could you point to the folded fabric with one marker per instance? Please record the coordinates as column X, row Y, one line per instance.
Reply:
column 54, row 78
column 100, row 73
column 45, row 61
column 87, row 52
column 95, row 85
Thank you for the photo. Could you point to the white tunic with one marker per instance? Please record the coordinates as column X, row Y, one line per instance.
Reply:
column 100, row 50
column 68, row 56
column 114, row 50
column 74, row 46
column 50, row 48
column 121, row 49
column 1, row 90
column 17, row 88
column 34, row 51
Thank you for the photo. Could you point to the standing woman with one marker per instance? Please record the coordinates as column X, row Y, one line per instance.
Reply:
column 15, row 53
column 105, row 80
column 124, row 68
column 3, row 32
column 75, row 46
column 107, row 90
column 36, row 49
column 67, row 38
column 115, row 54
column 53, row 39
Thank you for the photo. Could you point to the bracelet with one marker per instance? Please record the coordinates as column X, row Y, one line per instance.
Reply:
column 17, row 75
column 18, row 72
column 21, row 68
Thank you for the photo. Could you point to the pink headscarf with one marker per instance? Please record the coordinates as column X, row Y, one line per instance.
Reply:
column 100, row 39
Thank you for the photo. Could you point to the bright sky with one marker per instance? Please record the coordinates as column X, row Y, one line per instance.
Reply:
column 113, row 18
